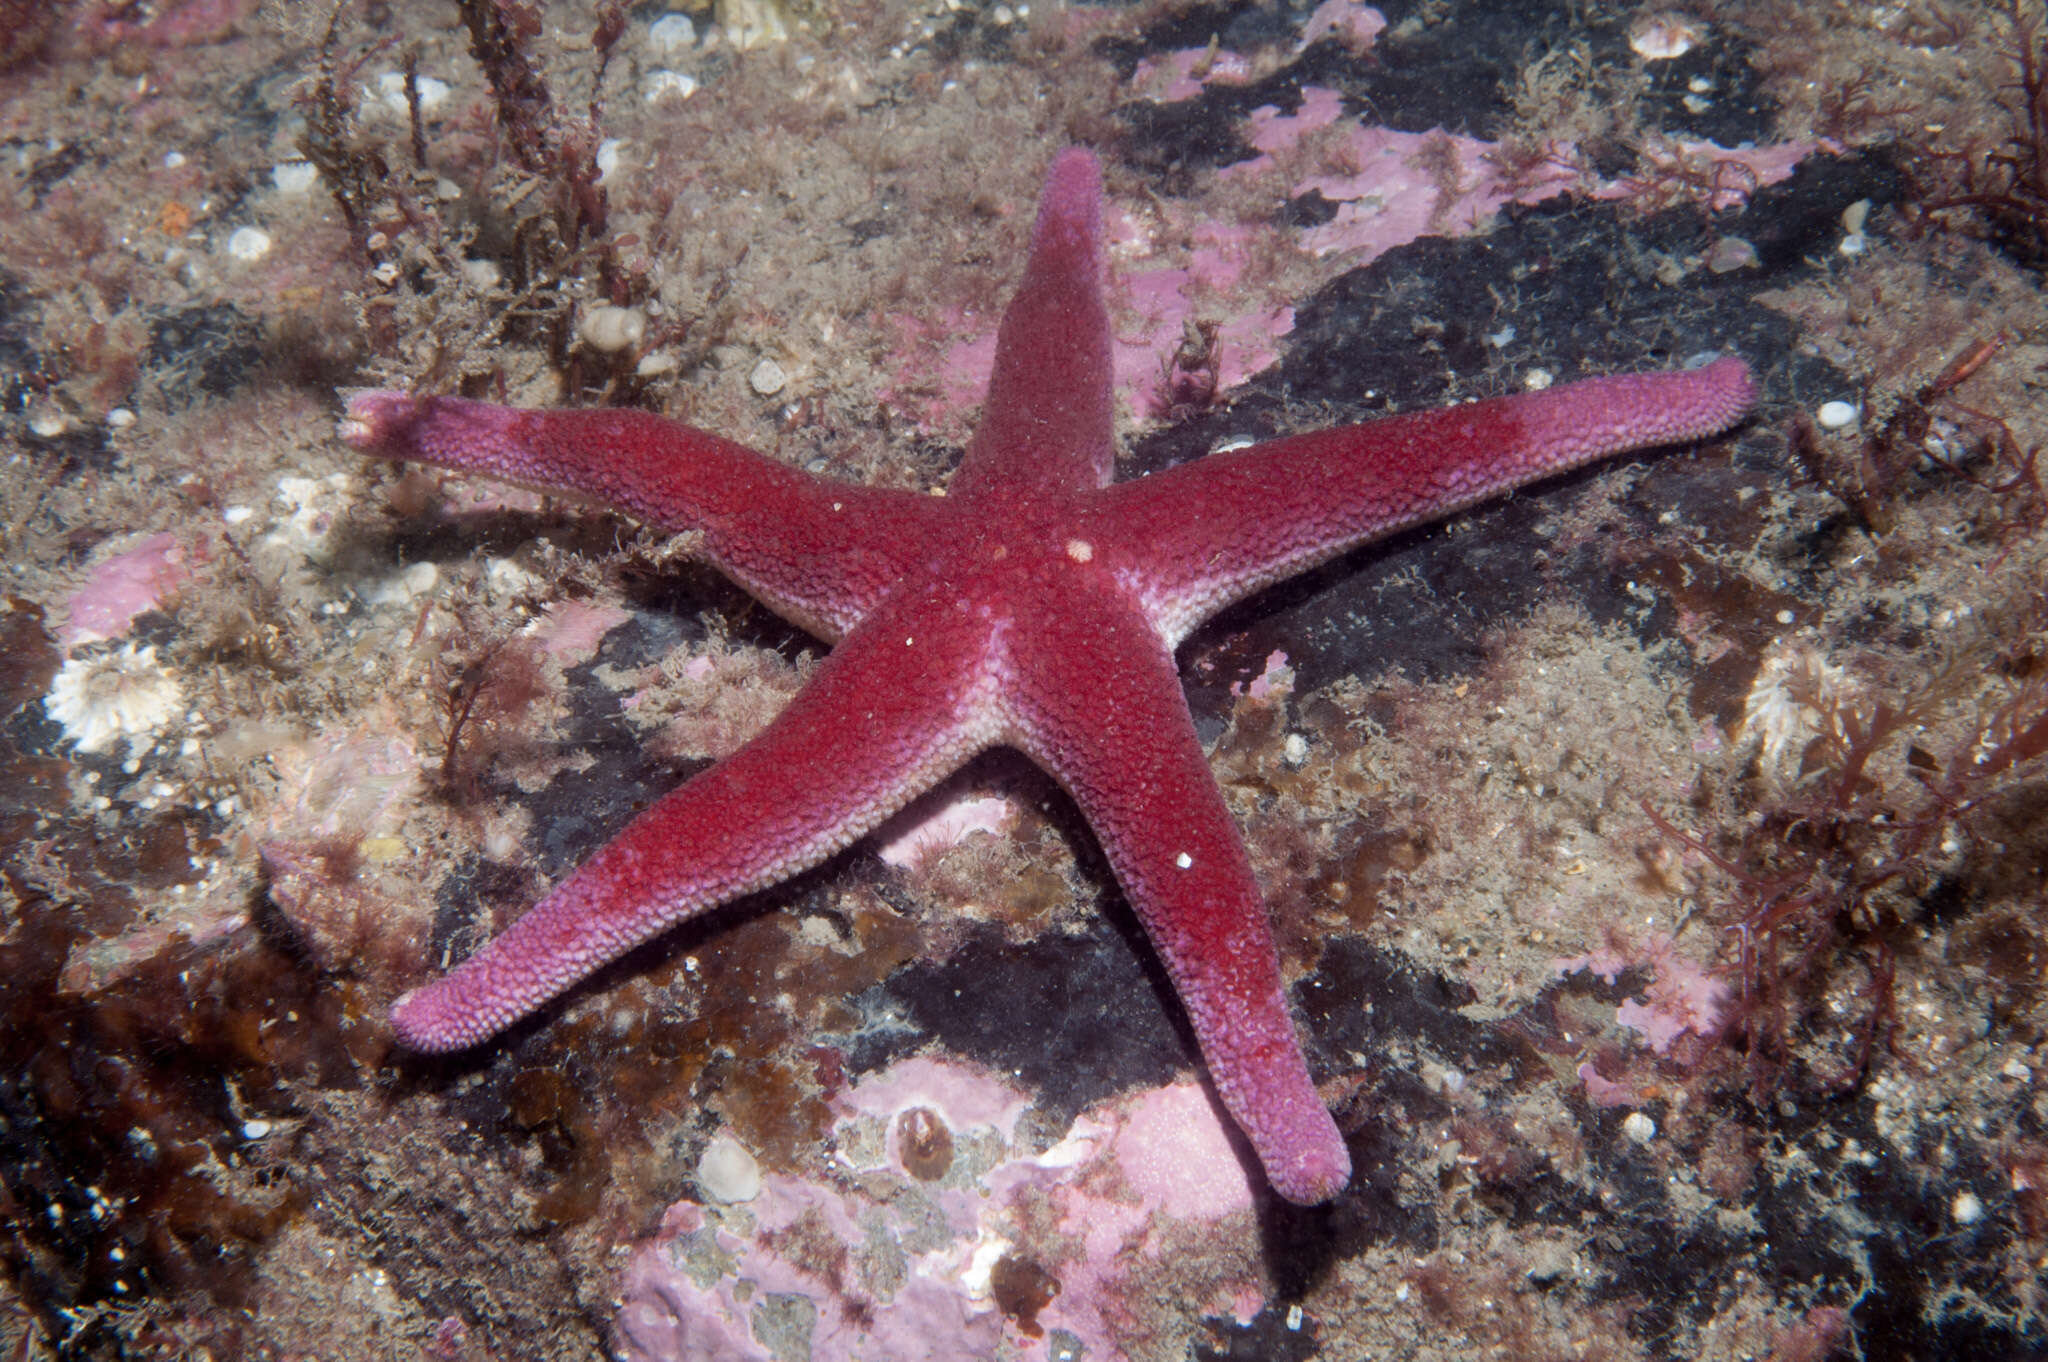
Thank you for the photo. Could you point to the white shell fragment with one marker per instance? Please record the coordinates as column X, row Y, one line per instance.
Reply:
column 1660, row 37
column 612, row 329
column 249, row 244
column 727, row 1172
column 294, row 177
column 768, row 378
column 664, row 84
column 1729, row 254
column 1835, row 415
column 671, row 35
column 1853, row 218
column 389, row 92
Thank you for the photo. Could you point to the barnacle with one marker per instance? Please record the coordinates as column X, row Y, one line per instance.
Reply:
column 125, row 694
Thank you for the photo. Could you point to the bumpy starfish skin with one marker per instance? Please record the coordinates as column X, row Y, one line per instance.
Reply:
column 1033, row 605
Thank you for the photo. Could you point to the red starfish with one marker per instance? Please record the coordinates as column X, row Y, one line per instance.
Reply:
column 1033, row 605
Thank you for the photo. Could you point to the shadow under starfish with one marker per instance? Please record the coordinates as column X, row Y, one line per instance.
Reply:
column 1035, row 605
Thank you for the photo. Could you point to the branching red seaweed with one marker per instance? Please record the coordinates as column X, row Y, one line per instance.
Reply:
column 2000, row 180
column 1871, row 828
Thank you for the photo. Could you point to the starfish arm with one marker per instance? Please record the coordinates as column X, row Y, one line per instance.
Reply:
column 1049, row 418
column 893, row 709
column 1137, row 770
column 819, row 553
column 1213, row 531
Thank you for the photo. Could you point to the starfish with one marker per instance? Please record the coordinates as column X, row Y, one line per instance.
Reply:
column 1035, row 604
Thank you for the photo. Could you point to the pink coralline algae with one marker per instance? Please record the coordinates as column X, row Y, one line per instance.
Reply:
column 1186, row 73
column 1276, row 678
column 1681, row 999
column 130, row 583
column 1160, row 303
column 938, row 379
column 868, row 1260
column 1727, row 176
column 1391, row 187
column 570, row 631
column 185, row 24
column 1682, row 1007
column 919, row 838
column 1604, row 1091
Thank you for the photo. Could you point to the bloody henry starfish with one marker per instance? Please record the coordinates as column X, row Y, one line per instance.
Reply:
column 1033, row 605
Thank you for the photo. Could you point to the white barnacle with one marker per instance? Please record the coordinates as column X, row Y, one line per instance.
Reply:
column 124, row 694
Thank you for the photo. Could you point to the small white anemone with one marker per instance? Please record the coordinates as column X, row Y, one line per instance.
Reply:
column 125, row 694
column 1796, row 692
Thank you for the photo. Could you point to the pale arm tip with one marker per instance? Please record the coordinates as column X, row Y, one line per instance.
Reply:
column 425, row 1023
column 373, row 418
